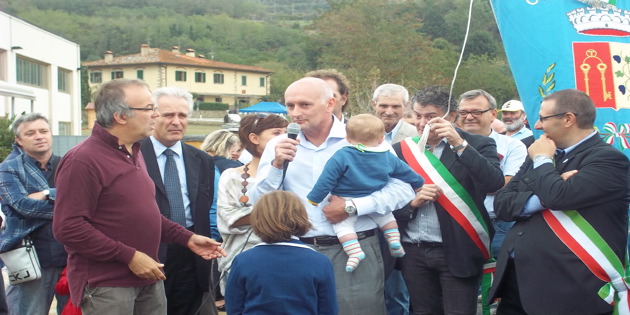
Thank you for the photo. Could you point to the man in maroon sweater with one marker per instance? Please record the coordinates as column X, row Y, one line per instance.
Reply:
column 106, row 214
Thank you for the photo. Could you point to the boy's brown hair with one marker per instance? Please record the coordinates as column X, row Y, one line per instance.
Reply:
column 365, row 128
column 279, row 215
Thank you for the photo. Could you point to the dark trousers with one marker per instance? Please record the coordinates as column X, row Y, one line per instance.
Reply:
column 432, row 287
column 510, row 303
column 183, row 293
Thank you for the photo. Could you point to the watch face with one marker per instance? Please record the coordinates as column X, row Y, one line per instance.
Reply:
column 351, row 210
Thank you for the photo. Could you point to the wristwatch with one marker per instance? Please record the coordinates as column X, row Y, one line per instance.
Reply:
column 459, row 147
column 46, row 193
column 542, row 157
column 351, row 209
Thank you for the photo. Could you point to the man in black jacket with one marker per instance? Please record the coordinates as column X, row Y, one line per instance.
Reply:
column 187, row 275
column 536, row 272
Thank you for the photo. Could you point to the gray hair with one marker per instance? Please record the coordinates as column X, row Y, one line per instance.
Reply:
column 174, row 92
column 390, row 90
column 219, row 142
column 15, row 126
column 435, row 96
column 475, row 93
column 110, row 100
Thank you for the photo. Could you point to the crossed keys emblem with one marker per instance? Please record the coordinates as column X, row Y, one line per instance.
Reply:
column 601, row 67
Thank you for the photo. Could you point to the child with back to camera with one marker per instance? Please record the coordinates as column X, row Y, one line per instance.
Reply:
column 282, row 275
column 357, row 171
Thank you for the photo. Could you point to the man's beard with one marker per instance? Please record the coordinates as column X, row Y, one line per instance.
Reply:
column 515, row 125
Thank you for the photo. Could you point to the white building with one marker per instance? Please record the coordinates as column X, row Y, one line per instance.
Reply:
column 39, row 73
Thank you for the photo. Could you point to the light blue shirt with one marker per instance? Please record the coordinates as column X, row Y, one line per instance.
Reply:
column 512, row 154
column 159, row 149
column 533, row 204
column 425, row 227
column 303, row 172
column 522, row 134
column 389, row 136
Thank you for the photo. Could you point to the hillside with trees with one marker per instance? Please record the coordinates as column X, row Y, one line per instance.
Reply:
column 414, row 43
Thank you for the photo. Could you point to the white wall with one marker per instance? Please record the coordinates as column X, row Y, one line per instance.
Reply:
column 52, row 51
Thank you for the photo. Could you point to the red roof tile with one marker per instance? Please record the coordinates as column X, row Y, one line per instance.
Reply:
column 159, row 56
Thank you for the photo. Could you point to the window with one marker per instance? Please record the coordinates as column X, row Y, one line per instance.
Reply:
column 200, row 77
column 96, row 77
column 180, row 75
column 140, row 74
column 3, row 64
column 65, row 128
column 262, row 81
column 118, row 74
column 29, row 72
column 63, row 80
column 218, row 78
column 218, row 99
column 244, row 80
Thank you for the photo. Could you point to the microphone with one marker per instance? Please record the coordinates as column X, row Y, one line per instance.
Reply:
column 292, row 132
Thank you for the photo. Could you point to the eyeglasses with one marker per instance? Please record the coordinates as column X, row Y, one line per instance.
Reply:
column 259, row 117
column 146, row 109
column 542, row 118
column 475, row 113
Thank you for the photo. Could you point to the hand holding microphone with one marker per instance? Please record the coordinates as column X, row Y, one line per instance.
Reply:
column 286, row 148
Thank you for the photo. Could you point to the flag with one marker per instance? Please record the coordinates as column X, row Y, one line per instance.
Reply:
column 582, row 44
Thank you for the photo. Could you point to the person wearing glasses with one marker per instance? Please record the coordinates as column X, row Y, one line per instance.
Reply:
column 477, row 111
column 446, row 230
column 572, row 190
column 233, row 203
column 106, row 214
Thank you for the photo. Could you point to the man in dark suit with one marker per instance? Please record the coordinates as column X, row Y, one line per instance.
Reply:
column 536, row 272
column 187, row 276
column 443, row 263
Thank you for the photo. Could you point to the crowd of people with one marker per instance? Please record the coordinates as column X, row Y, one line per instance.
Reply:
column 406, row 210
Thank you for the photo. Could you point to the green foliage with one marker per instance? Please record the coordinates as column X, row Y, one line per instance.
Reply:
column 6, row 137
column 212, row 106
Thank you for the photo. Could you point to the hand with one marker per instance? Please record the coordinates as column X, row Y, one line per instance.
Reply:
column 444, row 129
column 335, row 210
column 145, row 267
column 427, row 193
column 566, row 175
column 205, row 247
column 37, row 195
column 285, row 151
column 542, row 146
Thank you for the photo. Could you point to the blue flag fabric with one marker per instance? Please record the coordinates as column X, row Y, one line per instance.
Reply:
column 583, row 44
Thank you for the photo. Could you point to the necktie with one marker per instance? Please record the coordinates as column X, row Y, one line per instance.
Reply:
column 559, row 155
column 174, row 189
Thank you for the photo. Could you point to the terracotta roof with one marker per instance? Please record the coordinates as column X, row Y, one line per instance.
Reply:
column 159, row 56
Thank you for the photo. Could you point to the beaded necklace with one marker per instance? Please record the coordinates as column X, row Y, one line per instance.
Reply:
column 244, row 198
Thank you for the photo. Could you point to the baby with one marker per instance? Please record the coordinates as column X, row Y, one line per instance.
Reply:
column 358, row 171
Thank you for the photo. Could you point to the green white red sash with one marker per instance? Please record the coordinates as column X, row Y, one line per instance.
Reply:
column 584, row 241
column 456, row 201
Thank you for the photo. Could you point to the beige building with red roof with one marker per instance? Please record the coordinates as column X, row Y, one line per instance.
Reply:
column 211, row 81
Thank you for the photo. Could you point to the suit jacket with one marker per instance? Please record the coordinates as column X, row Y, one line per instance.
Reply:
column 478, row 171
column 406, row 130
column 551, row 279
column 200, row 180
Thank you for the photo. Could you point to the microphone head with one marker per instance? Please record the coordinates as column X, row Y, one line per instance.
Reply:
column 293, row 129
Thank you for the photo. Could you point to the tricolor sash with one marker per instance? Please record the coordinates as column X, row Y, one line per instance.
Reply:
column 584, row 241
column 456, row 201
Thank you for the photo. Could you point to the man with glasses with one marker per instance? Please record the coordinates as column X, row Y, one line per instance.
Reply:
column 106, row 214
column 446, row 235
column 477, row 111
column 172, row 163
column 513, row 115
column 570, row 202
